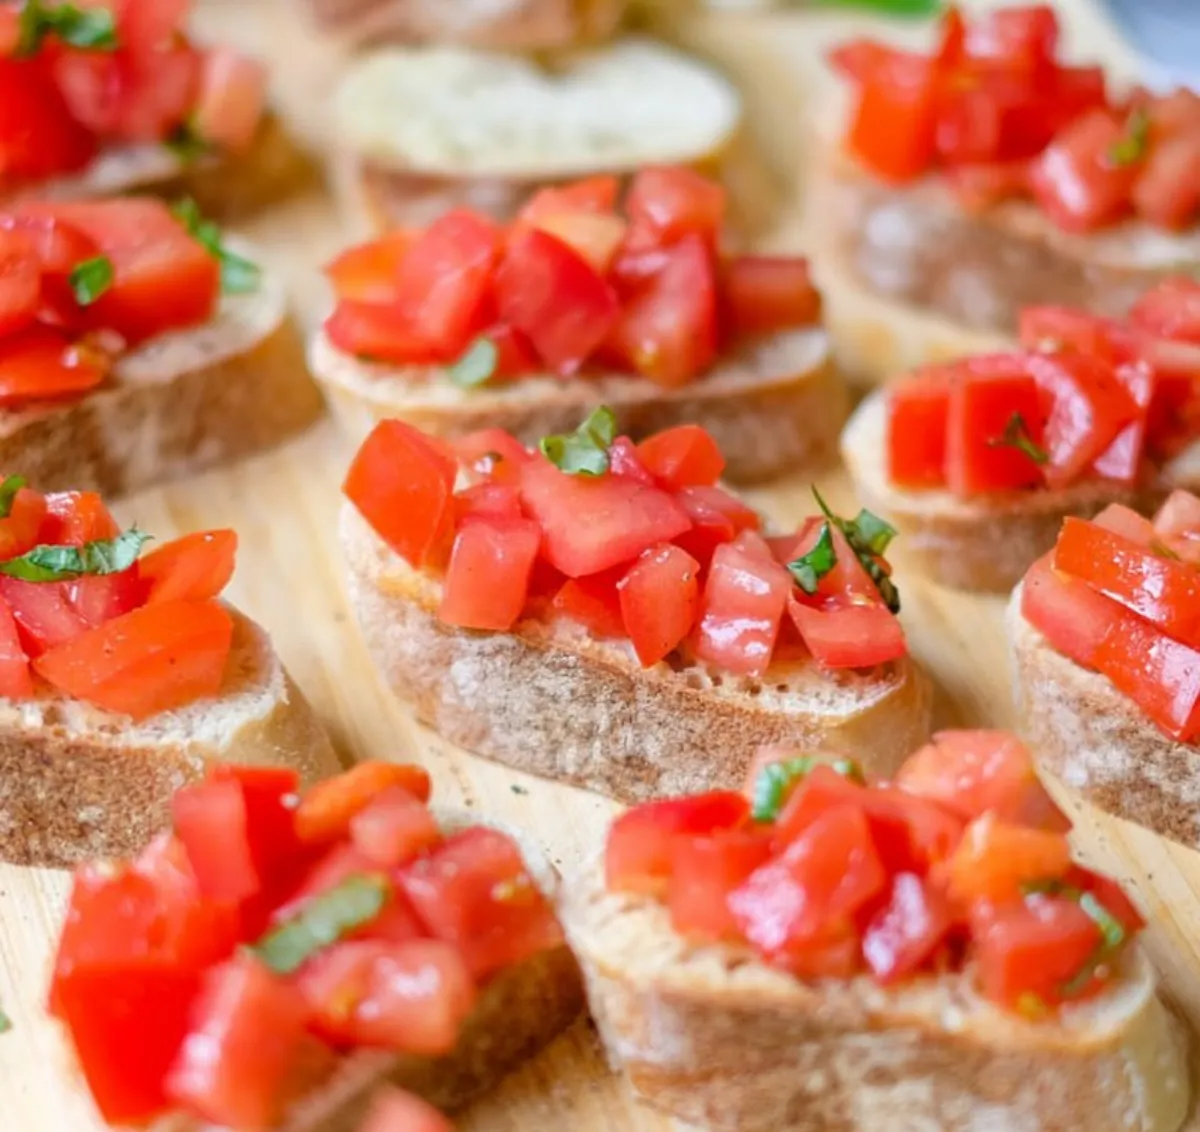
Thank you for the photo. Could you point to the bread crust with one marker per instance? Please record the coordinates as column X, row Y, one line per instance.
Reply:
column 78, row 783
column 1098, row 741
column 773, row 408
column 713, row 1037
column 178, row 404
column 549, row 700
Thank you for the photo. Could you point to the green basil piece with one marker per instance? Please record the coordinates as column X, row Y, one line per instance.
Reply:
column 238, row 275
column 775, row 781
column 91, row 29
column 876, row 533
column 90, row 279
column 1016, row 435
column 186, row 142
column 477, row 365
column 5, row 1023
column 583, row 452
column 8, row 492
column 903, row 9
column 812, row 566
column 325, row 919
column 62, row 563
column 1112, row 930
column 1131, row 146
column 863, row 534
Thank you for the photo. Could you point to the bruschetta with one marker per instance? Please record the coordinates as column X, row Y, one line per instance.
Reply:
column 1106, row 660
column 115, row 96
column 510, row 25
column 978, row 461
column 136, row 346
column 122, row 676
column 580, row 303
column 842, row 955
column 273, row 961
column 604, row 614
column 987, row 175
column 423, row 130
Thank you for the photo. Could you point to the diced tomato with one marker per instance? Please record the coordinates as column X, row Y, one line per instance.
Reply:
column 556, row 298
column 1028, row 951
column 994, row 860
column 768, row 294
column 592, row 194
column 487, row 582
column 717, row 517
column 641, row 843
column 39, row 138
column 593, row 602
column 16, row 683
column 979, row 186
column 659, row 597
column 1123, row 460
column 487, row 500
column 98, row 598
column 1022, row 36
column 77, row 517
column 396, row 1111
column 343, row 861
column 903, row 934
column 45, row 618
column 741, row 608
column 824, row 876
column 327, row 809
column 1174, row 113
column 894, row 123
column 986, row 407
column 1071, row 615
column 704, row 871
column 211, row 822
column 378, row 332
column 402, row 482
column 625, row 460
column 668, row 332
column 1177, row 523
column 674, row 202
column 20, row 284
column 846, row 634
column 441, row 283
column 366, row 273
column 39, row 363
column 491, row 454
column 1171, row 310
column 246, row 1036
column 1110, row 894
column 683, row 456
column 592, row 523
column 1075, row 180
column 1167, row 190
column 1051, row 329
column 393, row 828
column 1127, row 523
column 154, row 659
column 23, row 528
column 918, row 418
column 595, row 236
column 473, row 891
column 230, row 104
column 191, row 568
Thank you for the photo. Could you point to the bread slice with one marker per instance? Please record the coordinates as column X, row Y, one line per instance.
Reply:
column 509, row 25
column 718, row 1039
column 517, row 1013
column 775, row 406
column 1098, row 741
column 79, row 783
column 179, row 403
column 548, row 699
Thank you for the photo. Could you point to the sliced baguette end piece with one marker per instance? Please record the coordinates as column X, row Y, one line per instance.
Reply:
column 549, row 700
column 713, row 1037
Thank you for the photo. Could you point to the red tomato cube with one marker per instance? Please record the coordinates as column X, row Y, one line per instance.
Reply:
column 487, row 582
column 210, row 820
column 591, row 194
column 1067, row 612
column 892, row 131
column 26, row 525
column 768, row 295
column 191, row 568
column 674, row 202
column 1170, row 310
column 491, row 455
column 848, row 634
column 394, row 828
column 45, row 618
column 918, row 417
column 905, row 933
column 659, row 598
column 1167, row 190
column 993, row 426
column 593, row 602
column 366, row 273
column 995, row 859
column 684, row 456
column 16, row 681
column 73, row 518
column 717, row 517
column 232, row 95
column 378, row 332
column 704, row 871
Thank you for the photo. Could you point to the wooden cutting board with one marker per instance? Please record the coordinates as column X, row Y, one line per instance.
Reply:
column 290, row 578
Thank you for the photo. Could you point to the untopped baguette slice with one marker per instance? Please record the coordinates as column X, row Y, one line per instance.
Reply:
column 548, row 699
column 723, row 1042
column 1097, row 740
column 177, row 404
column 78, row 782
column 776, row 407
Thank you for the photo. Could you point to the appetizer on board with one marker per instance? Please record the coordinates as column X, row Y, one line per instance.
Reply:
column 273, row 961
column 1106, row 662
column 979, row 460
column 583, row 301
column 990, row 174
column 122, row 676
column 423, row 130
column 603, row 613
column 137, row 345
column 829, row 953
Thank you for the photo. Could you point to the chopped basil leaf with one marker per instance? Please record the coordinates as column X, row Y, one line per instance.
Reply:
column 93, row 29
column 8, row 492
column 775, row 781
column 90, row 279
column 186, row 143
column 62, row 563
column 5, row 1023
column 901, row 8
column 1112, row 930
column 238, row 275
column 812, row 566
column 583, row 452
column 864, row 533
column 325, row 919
column 477, row 365
column 1016, row 435
column 1130, row 147
column 1110, row 927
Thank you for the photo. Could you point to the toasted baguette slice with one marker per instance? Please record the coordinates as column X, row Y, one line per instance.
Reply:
column 776, row 406
column 1098, row 741
column 716, row 1038
column 509, row 25
column 518, row 1013
column 179, row 403
column 79, row 783
column 548, row 699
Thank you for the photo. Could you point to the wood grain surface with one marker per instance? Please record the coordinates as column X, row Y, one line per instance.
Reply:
column 290, row 578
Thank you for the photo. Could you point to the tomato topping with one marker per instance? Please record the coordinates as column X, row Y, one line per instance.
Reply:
column 994, row 430
column 366, row 273
column 74, row 518
column 684, row 456
column 38, row 136
column 676, row 202
column 39, row 363
column 192, row 568
column 994, row 860
column 903, row 935
column 487, row 581
column 45, row 617
column 394, row 828
column 593, row 602
column 326, row 811
column 704, row 871
column 1170, row 310
column 894, row 124
column 26, row 524
column 231, row 99
column 658, row 598
column 16, row 683
column 20, row 286
column 768, row 294
column 592, row 194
